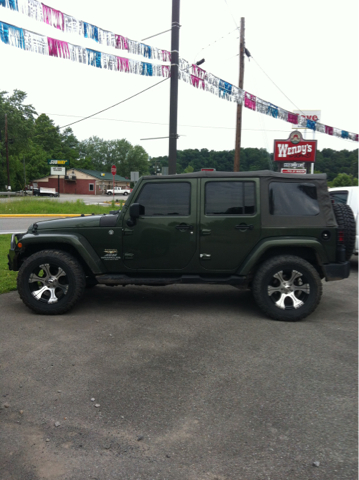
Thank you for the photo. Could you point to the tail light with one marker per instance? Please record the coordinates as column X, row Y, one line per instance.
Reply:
column 340, row 236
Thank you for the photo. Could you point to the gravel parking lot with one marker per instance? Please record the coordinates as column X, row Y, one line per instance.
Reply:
column 179, row 382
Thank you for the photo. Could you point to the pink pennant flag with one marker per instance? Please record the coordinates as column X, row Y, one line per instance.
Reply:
column 166, row 56
column 121, row 42
column 329, row 130
column 58, row 48
column 250, row 101
column 53, row 17
column 197, row 82
column 293, row 118
column 198, row 72
column 123, row 65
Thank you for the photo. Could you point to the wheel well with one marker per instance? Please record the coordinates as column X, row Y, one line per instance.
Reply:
column 306, row 253
column 65, row 247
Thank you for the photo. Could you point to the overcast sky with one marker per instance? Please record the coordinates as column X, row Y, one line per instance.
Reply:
column 308, row 51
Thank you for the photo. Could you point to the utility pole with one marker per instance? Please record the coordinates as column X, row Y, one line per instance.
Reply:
column 23, row 159
column 7, row 152
column 172, row 155
column 239, row 107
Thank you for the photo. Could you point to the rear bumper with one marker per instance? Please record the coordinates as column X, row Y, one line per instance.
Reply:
column 336, row 271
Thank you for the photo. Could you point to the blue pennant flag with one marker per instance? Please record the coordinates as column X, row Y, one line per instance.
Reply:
column 224, row 88
column 94, row 58
column 90, row 31
column 147, row 51
column 146, row 69
column 311, row 124
column 13, row 35
column 12, row 4
column 272, row 110
column 345, row 134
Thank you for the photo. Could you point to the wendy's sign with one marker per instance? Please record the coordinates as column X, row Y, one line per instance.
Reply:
column 295, row 149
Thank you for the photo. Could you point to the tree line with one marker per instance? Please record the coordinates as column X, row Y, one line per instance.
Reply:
column 34, row 139
column 331, row 162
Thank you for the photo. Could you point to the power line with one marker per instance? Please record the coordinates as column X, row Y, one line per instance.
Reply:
column 115, row 105
column 156, row 35
column 230, row 11
column 216, row 41
column 165, row 124
column 286, row 96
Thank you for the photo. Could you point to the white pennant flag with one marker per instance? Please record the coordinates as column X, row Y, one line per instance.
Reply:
column 36, row 43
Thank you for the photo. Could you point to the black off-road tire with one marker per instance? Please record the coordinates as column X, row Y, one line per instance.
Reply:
column 50, row 282
column 274, row 295
column 346, row 222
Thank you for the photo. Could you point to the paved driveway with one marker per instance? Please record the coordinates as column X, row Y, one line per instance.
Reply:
column 179, row 383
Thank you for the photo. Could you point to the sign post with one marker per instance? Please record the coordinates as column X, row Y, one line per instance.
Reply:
column 113, row 171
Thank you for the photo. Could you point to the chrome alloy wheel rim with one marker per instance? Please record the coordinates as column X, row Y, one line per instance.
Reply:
column 288, row 289
column 49, row 284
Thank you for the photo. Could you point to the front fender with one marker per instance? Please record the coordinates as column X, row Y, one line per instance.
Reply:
column 280, row 242
column 81, row 245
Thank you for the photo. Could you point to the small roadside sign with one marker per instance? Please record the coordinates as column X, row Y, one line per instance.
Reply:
column 113, row 169
column 293, row 170
column 60, row 163
column 58, row 170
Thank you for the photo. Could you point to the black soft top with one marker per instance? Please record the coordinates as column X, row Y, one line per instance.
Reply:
column 256, row 173
column 324, row 219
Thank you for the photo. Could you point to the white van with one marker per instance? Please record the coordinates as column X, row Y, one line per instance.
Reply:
column 348, row 196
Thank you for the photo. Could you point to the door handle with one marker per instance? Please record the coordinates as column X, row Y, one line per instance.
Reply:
column 184, row 226
column 244, row 226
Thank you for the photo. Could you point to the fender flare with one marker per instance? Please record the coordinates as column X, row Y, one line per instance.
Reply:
column 281, row 242
column 81, row 245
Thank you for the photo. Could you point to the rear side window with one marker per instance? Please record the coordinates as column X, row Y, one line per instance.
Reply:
column 339, row 197
column 166, row 198
column 230, row 198
column 293, row 199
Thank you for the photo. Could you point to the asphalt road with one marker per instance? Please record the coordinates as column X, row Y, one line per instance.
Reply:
column 189, row 383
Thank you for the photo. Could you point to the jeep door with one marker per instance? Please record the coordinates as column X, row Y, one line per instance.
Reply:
column 165, row 236
column 229, row 222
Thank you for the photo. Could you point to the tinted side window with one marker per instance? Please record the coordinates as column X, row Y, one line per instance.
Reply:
column 293, row 199
column 230, row 198
column 166, row 198
column 339, row 197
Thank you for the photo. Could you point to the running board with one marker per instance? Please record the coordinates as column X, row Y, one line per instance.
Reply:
column 118, row 279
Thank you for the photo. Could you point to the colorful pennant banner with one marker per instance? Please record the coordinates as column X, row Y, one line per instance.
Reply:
column 197, row 77
column 203, row 80
column 69, row 24
column 26, row 40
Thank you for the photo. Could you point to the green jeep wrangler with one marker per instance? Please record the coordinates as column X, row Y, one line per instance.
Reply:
column 276, row 234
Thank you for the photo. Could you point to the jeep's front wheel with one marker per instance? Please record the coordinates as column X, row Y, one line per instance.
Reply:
column 287, row 288
column 50, row 282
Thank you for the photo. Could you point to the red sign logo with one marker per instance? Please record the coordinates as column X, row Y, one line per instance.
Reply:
column 295, row 149
column 113, row 169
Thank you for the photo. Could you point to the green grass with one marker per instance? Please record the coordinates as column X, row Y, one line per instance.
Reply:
column 7, row 277
column 37, row 206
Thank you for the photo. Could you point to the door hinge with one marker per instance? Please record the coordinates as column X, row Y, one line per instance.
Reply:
column 205, row 231
column 127, row 231
column 129, row 256
column 205, row 256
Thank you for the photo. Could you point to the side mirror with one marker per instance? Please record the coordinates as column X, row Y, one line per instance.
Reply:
column 136, row 210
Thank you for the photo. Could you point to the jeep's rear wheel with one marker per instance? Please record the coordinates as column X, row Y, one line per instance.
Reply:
column 50, row 282
column 287, row 288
